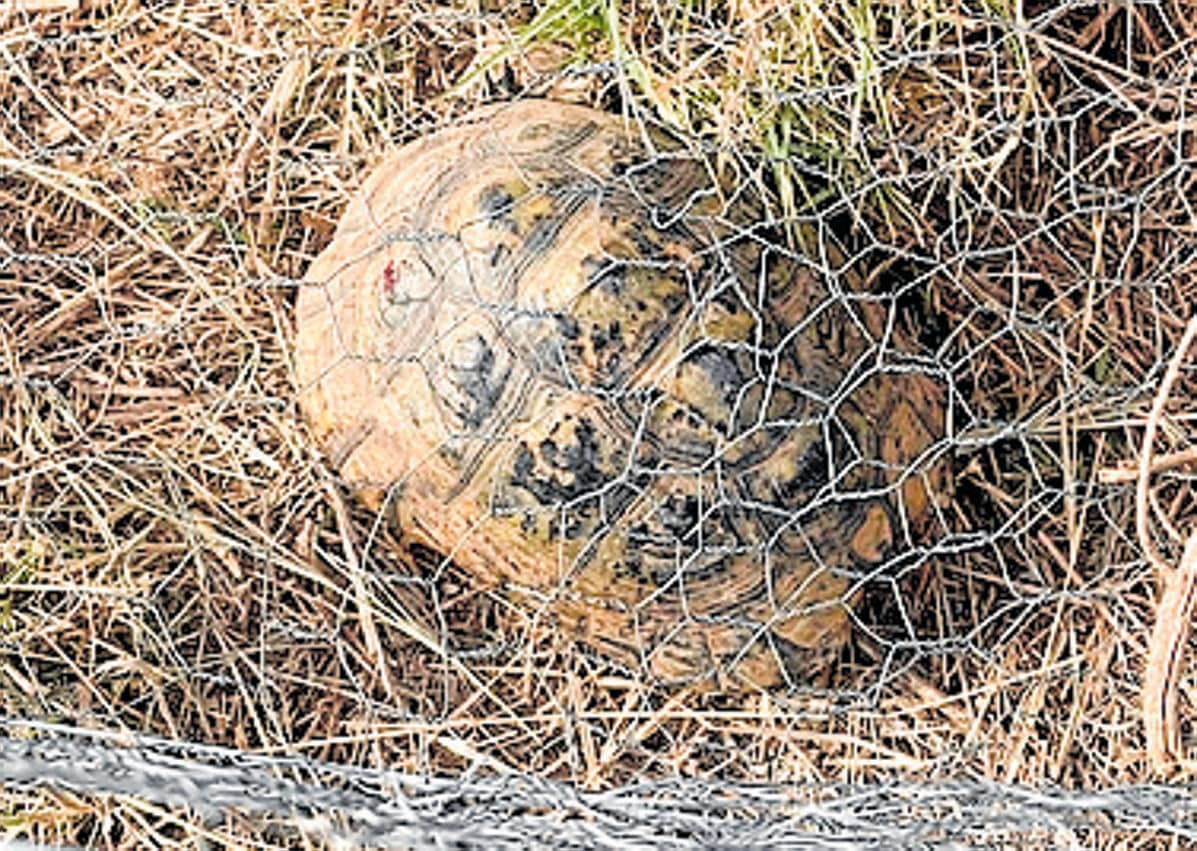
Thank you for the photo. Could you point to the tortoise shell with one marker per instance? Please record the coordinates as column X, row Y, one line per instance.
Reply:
column 582, row 373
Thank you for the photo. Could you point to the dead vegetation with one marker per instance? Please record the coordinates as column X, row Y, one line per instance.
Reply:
column 176, row 559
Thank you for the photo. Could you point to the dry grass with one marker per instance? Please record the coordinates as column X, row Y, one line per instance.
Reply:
column 177, row 559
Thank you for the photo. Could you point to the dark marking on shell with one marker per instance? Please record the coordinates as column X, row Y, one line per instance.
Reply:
column 568, row 326
column 496, row 203
column 678, row 514
column 812, row 473
column 609, row 277
column 722, row 372
column 541, row 235
column 563, row 467
column 480, row 384
column 498, row 255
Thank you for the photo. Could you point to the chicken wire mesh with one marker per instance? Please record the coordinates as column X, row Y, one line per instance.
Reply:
column 391, row 809
column 983, row 215
column 583, row 371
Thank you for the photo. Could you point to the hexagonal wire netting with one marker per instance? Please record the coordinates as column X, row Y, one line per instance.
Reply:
column 906, row 358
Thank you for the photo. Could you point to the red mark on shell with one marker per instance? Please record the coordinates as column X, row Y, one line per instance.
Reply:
column 388, row 279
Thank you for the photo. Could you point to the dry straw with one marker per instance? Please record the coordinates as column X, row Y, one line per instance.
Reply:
column 1012, row 181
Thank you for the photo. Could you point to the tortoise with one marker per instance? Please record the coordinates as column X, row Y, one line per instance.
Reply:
column 565, row 355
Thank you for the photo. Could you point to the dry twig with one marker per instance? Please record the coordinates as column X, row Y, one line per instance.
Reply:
column 1174, row 612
